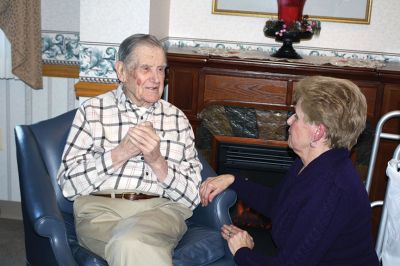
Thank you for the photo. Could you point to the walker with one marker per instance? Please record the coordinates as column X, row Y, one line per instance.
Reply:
column 388, row 240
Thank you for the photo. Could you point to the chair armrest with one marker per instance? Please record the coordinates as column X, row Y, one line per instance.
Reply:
column 42, row 214
column 53, row 227
column 216, row 213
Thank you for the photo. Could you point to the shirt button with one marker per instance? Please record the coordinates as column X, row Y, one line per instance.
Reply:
column 142, row 158
column 141, row 118
column 147, row 173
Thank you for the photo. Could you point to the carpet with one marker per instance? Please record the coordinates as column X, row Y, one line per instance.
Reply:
column 12, row 246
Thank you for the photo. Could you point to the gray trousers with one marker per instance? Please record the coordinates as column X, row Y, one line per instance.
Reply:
column 124, row 232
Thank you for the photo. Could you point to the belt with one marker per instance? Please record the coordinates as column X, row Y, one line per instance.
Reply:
column 127, row 195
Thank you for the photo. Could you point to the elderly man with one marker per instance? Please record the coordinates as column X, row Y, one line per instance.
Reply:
column 130, row 164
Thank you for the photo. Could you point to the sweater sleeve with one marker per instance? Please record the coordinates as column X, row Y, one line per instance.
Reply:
column 260, row 198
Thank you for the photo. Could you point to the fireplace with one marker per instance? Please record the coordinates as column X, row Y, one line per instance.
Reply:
column 264, row 162
column 248, row 142
column 252, row 143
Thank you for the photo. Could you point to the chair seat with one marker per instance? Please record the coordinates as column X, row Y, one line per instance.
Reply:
column 200, row 245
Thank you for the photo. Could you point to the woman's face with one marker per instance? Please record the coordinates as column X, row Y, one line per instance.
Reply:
column 300, row 132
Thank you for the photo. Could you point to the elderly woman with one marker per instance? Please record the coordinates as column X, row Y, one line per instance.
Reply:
column 320, row 211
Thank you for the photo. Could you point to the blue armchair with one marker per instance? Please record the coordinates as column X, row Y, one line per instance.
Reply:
column 50, row 237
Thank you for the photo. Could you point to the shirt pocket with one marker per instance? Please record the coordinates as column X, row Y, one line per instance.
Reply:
column 172, row 147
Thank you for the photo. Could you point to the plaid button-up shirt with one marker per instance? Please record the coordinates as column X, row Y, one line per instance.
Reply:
column 99, row 126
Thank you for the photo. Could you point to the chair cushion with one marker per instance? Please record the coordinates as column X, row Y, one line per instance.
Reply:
column 199, row 246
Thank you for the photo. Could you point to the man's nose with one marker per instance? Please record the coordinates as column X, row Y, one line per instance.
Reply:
column 155, row 76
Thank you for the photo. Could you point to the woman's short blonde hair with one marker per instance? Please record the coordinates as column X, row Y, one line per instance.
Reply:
column 336, row 103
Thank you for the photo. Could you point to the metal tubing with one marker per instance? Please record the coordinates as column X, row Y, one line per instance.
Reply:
column 375, row 146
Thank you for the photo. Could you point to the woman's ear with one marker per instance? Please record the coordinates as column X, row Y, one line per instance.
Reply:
column 120, row 69
column 319, row 132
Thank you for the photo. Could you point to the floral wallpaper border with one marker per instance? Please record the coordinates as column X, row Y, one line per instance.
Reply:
column 97, row 63
column 60, row 48
column 271, row 48
column 97, row 60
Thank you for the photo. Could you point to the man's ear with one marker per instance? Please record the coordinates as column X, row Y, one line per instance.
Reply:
column 120, row 69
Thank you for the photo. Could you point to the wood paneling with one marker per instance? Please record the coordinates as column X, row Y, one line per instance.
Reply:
column 391, row 101
column 89, row 89
column 238, row 89
column 65, row 71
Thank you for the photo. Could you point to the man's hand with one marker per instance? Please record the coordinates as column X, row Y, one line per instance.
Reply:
column 125, row 150
column 213, row 186
column 145, row 138
column 141, row 139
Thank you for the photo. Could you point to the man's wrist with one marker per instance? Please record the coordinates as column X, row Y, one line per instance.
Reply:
column 160, row 168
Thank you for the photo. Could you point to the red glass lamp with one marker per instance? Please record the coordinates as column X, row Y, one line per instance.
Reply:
column 290, row 11
column 290, row 27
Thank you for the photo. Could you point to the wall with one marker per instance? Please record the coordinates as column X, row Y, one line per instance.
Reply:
column 193, row 19
column 60, row 15
column 20, row 104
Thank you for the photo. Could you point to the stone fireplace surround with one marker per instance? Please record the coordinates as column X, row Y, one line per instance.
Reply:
column 263, row 127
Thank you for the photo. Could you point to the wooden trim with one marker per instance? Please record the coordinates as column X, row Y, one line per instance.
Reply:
column 63, row 71
column 82, row 89
column 90, row 89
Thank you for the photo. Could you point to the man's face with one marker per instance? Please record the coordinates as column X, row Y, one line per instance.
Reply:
column 144, row 79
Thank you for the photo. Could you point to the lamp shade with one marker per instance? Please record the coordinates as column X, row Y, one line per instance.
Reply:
column 290, row 11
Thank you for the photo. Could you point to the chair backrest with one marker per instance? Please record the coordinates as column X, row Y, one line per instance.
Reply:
column 45, row 141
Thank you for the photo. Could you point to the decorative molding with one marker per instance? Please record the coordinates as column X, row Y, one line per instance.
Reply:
column 97, row 63
column 90, row 89
column 60, row 47
column 271, row 48
column 94, row 63
column 98, row 80
column 65, row 71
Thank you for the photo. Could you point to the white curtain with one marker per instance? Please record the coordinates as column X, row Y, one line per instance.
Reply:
column 5, row 58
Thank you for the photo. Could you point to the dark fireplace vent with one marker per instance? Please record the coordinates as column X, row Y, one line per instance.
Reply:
column 265, row 165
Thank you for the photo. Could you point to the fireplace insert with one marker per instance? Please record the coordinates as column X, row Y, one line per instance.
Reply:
column 263, row 162
column 265, row 165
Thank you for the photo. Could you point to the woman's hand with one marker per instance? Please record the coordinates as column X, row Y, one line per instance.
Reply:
column 213, row 186
column 237, row 238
